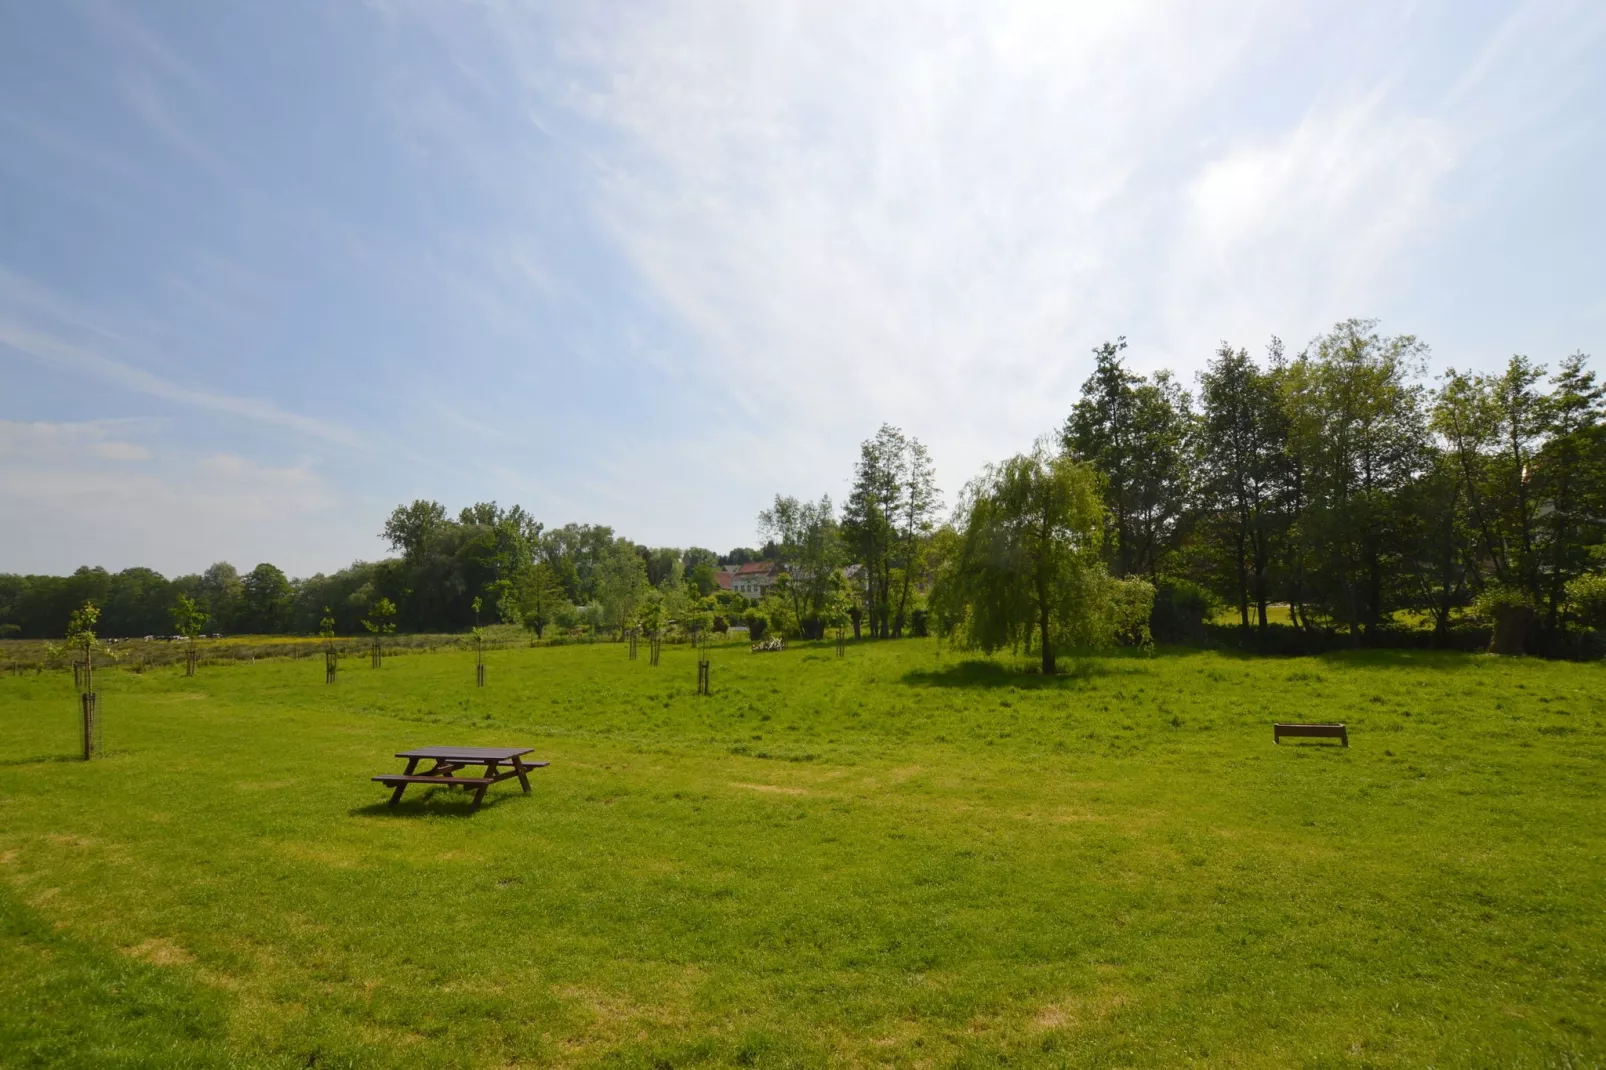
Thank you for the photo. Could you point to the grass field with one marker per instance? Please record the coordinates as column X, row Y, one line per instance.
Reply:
column 899, row 858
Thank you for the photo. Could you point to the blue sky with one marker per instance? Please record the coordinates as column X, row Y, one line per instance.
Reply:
column 267, row 270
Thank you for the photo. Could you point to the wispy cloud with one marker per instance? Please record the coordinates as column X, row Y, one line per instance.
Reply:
column 648, row 268
column 24, row 304
column 85, row 492
column 52, row 350
column 42, row 444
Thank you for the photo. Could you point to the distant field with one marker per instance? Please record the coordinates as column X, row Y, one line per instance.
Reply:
column 1280, row 614
column 139, row 654
column 898, row 858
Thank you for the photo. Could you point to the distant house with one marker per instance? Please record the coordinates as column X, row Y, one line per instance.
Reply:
column 751, row 579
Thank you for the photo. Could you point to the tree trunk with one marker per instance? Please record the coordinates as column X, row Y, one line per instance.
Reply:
column 1048, row 644
column 1512, row 625
column 903, row 600
column 1243, row 576
column 1258, row 541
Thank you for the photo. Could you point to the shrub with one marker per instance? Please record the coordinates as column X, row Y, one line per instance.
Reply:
column 1497, row 599
column 1131, row 603
column 1586, row 599
column 1181, row 608
column 1511, row 612
column 757, row 625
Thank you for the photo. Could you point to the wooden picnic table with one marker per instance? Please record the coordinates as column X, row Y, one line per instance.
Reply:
column 501, row 763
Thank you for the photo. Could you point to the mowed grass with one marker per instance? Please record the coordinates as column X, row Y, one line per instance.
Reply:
column 899, row 858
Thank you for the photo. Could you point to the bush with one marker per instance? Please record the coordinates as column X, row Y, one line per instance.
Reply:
column 1586, row 600
column 1496, row 599
column 757, row 625
column 1181, row 608
column 1131, row 611
column 1511, row 612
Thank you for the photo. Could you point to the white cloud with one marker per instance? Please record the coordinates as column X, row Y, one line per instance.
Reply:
column 49, row 348
column 81, row 493
column 930, row 215
column 44, row 444
column 1308, row 227
column 927, row 219
column 702, row 250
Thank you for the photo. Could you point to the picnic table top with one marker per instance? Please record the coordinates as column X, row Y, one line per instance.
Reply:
column 470, row 754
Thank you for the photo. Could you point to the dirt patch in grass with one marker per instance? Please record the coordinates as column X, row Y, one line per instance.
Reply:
column 159, row 952
column 1078, row 1011
column 333, row 856
column 775, row 789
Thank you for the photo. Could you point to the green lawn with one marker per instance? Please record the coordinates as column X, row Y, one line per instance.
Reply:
column 897, row 858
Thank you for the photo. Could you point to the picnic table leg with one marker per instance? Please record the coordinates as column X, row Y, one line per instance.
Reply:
column 518, row 767
column 395, row 796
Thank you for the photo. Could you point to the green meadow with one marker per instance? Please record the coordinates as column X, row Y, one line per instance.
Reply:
column 903, row 857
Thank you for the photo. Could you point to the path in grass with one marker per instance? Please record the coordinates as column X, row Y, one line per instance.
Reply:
column 894, row 858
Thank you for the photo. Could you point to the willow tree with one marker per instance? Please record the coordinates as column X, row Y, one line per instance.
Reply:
column 1030, row 559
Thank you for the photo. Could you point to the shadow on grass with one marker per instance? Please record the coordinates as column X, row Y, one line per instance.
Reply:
column 431, row 801
column 42, row 759
column 1371, row 658
column 980, row 674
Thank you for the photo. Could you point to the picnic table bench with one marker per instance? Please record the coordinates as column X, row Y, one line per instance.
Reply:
column 501, row 763
column 1321, row 730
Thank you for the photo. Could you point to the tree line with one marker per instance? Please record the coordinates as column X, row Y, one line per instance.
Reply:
column 571, row 576
column 1344, row 485
column 1336, row 492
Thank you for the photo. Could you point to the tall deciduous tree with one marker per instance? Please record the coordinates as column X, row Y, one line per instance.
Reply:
column 265, row 599
column 887, row 520
column 1135, row 432
column 540, row 596
column 868, row 519
column 621, row 583
column 1359, row 430
column 811, row 549
column 1570, row 478
column 222, row 592
column 410, row 526
column 1242, row 446
column 913, row 521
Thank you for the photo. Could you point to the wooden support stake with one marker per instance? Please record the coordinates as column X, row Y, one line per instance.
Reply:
column 88, row 700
